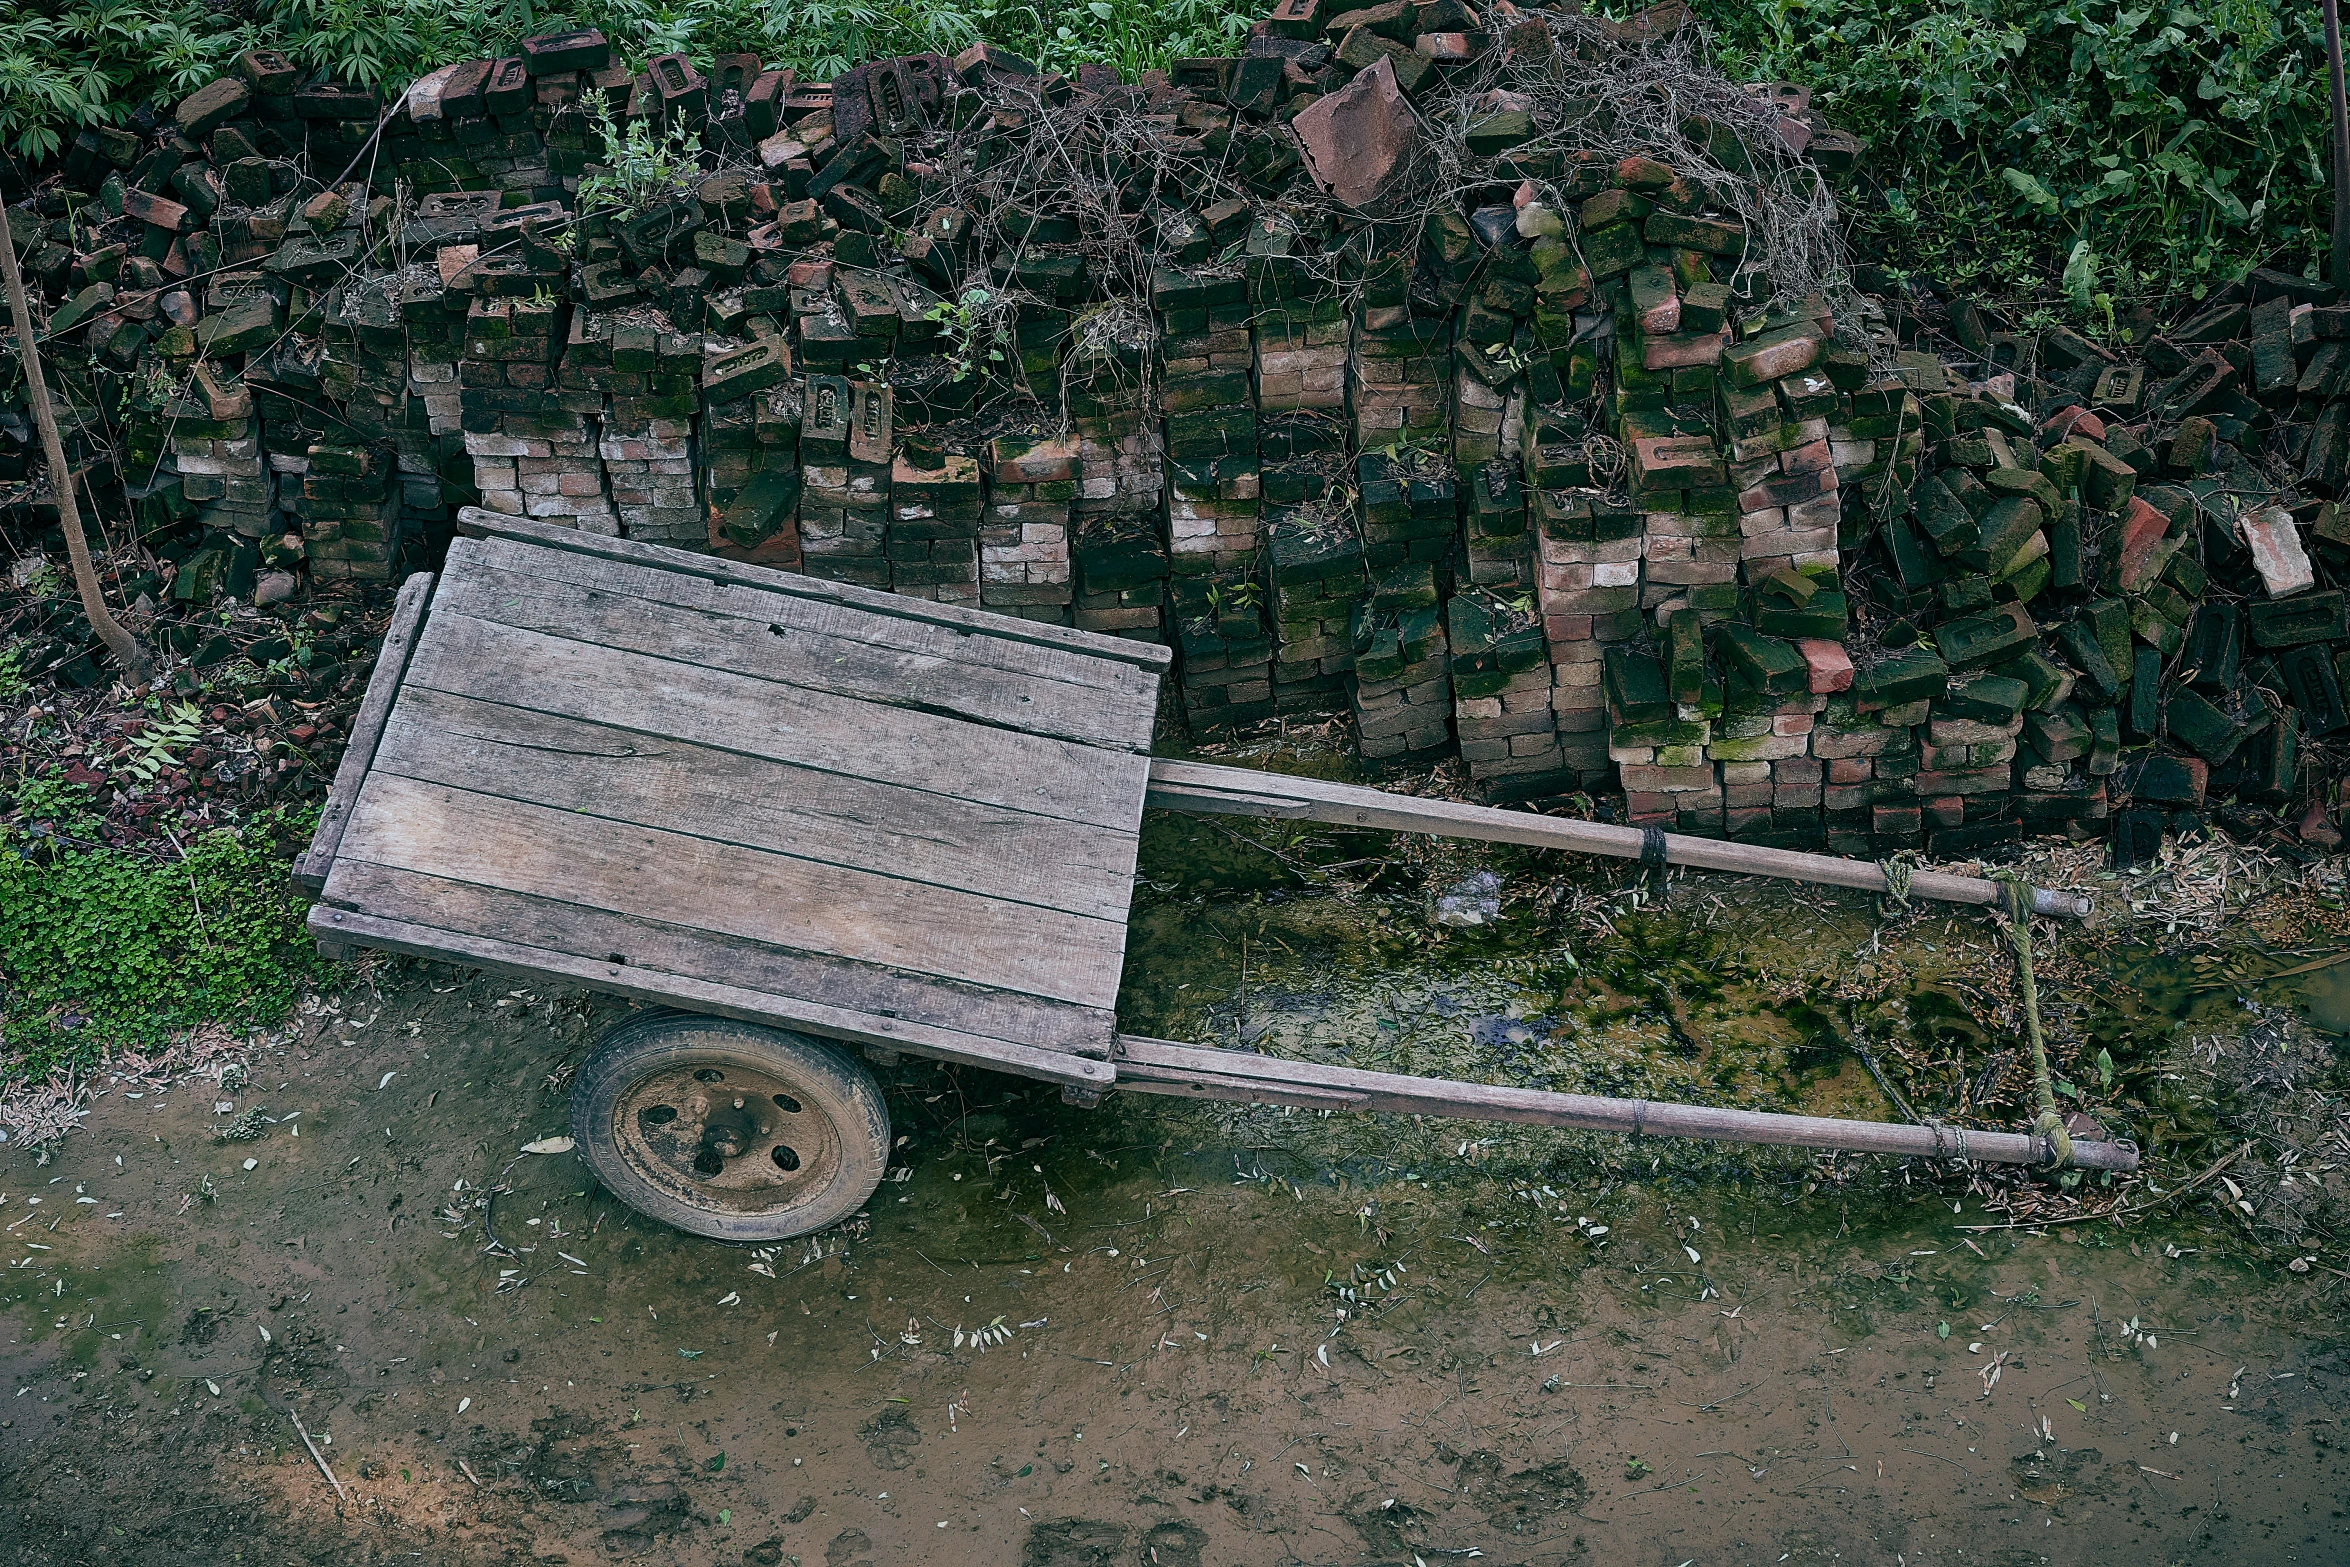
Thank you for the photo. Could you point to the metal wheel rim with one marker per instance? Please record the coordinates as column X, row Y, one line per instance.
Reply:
column 716, row 1148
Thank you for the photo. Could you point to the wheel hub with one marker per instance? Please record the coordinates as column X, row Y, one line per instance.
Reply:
column 730, row 1137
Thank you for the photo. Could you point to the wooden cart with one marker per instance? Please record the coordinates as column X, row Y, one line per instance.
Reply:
column 801, row 816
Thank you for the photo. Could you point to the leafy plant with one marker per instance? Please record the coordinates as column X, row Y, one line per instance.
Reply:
column 103, row 948
column 643, row 168
column 156, row 748
column 978, row 327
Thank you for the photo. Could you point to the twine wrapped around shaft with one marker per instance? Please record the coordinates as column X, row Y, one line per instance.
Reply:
column 2050, row 1127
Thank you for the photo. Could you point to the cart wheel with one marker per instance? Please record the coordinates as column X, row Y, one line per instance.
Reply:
column 728, row 1129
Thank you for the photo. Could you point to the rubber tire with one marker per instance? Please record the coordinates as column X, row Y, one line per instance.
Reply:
column 823, row 1079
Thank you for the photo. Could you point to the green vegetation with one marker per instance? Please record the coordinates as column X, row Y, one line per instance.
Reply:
column 103, row 948
column 2124, row 149
column 80, row 62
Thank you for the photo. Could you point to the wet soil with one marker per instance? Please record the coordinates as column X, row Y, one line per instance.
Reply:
column 1155, row 1333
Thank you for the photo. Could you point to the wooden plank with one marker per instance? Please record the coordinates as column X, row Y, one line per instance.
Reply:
column 1239, row 791
column 801, row 904
column 822, row 647
column 383, row 683
column 665, row 946
column 656, row 696
column 476, row 523
column 722, row 795
column 1156, row 1066
column 340, row 926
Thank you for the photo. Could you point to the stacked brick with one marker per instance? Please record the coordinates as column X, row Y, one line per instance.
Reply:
column 750, row 450
column 1402, row 687
column 1314, row 582
column 1024, row 538
column 533, row 450
column 348, row 504
column 847, row 432
column 1209, row 412
column 1119, row 557
column 215, row 440
column 645, row 433
column 935, row 513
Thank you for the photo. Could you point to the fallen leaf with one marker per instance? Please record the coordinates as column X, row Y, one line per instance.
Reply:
column 549, row 1145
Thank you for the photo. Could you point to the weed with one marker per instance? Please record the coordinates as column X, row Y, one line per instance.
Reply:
column 643, row 168
column 103, row 947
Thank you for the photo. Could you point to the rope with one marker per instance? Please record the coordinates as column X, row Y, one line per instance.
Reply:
column 2016, row 898
column 1897, row 872
column 1652, row 856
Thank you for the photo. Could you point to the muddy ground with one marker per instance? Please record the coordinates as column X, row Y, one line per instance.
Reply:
column 1156, row 1333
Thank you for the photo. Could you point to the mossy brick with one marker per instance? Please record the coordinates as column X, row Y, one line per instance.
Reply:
column 2202, row 727
column 2062, row 735
column 1762, row 663
column 2078, row 640
column 2028, row 482
column 2152, row 624
column 1975, row 641
column 241, row 328
column 2315, row 685
column 2107, row 482
column 1773, row 356
column 1714, row 236
column 315, row 258
column 1683, row 649
column 1912, row 675
column 2105, row 741
column 2007, row 526
column 2141, row 708
column 1705, row 307
column 2307, row 617
column 1913, row 562
column 1825, row 616
column 731, row 376
column 2109, row 622
column 210, row 107
column 761, row 508
column 1492, row 134
column 1611, row 207
column 1614, row 249
column 1983, row 698
column 2064, row 548
column 2046, row 682
column 1635, row 688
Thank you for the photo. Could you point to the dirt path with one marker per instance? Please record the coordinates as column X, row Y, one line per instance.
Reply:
column 1175, row 1349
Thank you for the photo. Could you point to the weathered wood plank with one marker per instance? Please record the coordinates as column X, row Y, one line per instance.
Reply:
column 1157, row 1066
column 801, row 904
column 383, row 684
column 338, row 926
column 808, row 642
column 477, row 523
column 665, row 946
column 924, row 751
column 718, row 794
column 1211, row 790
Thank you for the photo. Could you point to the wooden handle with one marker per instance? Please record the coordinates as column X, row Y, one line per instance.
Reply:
column 1210, row 790
column 1155, row 1066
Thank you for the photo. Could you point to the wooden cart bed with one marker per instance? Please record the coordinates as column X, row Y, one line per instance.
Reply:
column 745, row 792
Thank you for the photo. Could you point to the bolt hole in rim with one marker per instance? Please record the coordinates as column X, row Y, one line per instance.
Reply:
column 737, row 1140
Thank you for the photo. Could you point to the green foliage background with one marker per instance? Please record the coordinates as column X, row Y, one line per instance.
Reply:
column 2152, row 147
column 93, row 60
column 138, row 949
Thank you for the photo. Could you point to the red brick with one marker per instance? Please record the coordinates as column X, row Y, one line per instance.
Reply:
column 1829, row 665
